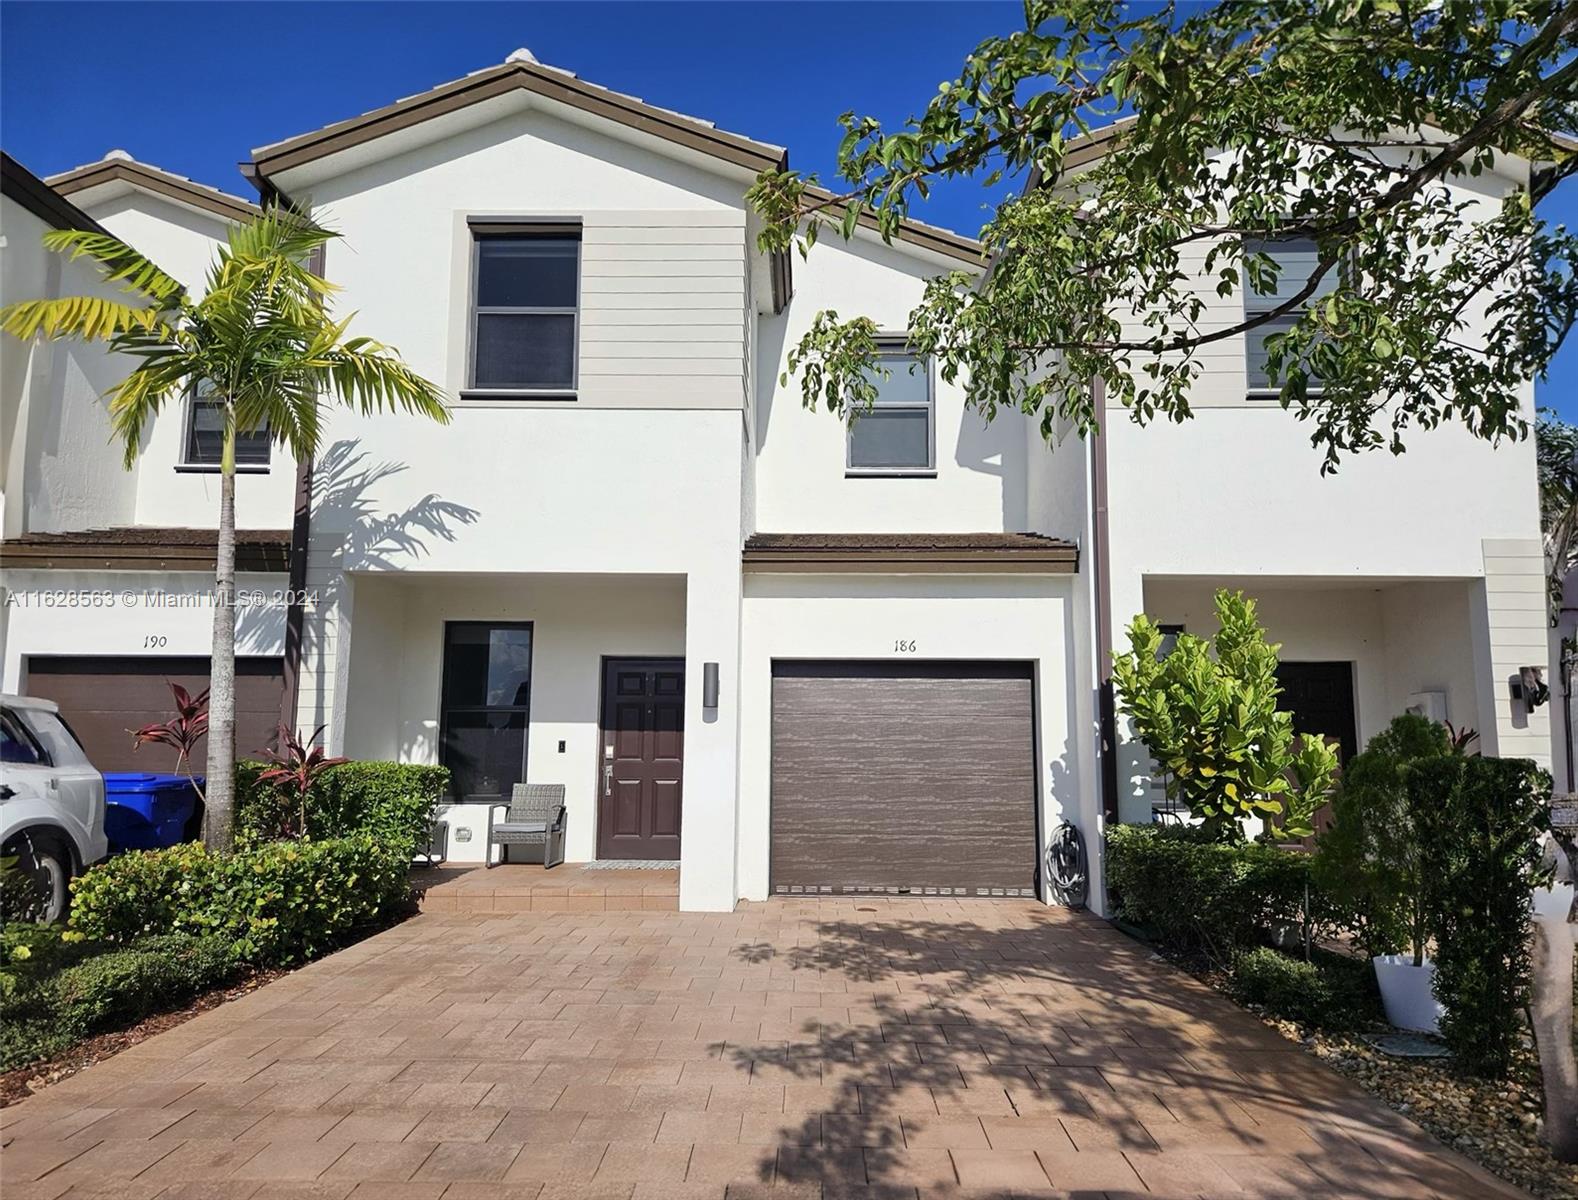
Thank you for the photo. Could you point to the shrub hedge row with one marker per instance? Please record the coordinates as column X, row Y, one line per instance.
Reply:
column 274, row 904
column 99, row 988
column 1201, row 896
column 391, row 802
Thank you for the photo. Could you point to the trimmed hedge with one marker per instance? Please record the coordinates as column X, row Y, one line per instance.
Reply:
column 1329, row 992
column 391, row 802
column 1480, row 822
column 1207, row 897
column 274, row 904
column 101, row 988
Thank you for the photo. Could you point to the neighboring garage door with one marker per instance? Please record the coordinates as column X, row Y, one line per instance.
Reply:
column 915, row 777
column 103, row 699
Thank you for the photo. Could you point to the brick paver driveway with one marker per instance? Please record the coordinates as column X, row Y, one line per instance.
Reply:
column 818, row 1048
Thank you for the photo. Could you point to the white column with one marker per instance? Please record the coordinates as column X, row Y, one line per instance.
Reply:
column 709, row 820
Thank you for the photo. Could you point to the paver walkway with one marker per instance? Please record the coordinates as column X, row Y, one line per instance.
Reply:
column 799, row 1049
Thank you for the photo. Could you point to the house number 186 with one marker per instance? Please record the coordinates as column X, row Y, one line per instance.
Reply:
column 904, row 646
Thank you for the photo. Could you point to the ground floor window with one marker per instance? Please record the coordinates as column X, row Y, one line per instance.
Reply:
column 486, row 707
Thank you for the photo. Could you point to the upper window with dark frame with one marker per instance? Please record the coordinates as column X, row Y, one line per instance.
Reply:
column 205, row 436
column 525, row 308
column 1297, row 258
column 897, row 435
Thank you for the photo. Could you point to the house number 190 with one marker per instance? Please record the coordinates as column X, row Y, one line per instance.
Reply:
column 904, row 646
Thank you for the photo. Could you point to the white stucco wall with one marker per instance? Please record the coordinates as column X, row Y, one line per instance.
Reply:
column 1005, row 617
column 396, row 673
column 152, row 614
column 61, row 469
column 980, row 482
column 183, row 243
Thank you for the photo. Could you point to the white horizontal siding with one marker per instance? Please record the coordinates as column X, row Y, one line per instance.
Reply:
column 662, row 297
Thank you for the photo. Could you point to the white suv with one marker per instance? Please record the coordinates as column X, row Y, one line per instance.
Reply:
column 51, row 801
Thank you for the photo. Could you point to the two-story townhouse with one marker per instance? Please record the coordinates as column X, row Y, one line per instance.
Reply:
column 792, row 654
column 1401, row 583
column 789, row 655
column 108, row 571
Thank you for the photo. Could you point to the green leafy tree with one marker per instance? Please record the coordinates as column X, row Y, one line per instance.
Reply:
column 264, row 344
column 1219, row 127
column 1557, row 451
column 1208, row 714
column 1368, row 859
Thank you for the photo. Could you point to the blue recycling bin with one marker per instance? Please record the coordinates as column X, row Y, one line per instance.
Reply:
column 145, row 812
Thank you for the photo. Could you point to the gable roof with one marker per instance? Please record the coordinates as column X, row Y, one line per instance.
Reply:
column 119, row 167
column 44, row 202
column 521, row 74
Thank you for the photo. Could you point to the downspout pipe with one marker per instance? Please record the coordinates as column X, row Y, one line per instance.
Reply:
column 1101, row 562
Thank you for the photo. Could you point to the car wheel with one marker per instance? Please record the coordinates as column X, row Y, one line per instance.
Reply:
column 43, row 867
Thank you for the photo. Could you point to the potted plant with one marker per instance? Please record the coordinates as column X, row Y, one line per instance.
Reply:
column 1369, row 862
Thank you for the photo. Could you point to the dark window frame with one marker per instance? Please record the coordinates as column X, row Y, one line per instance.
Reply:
column 1255, row 304
column 191, row 462
column 485, row 229
column 894, row 349
column 445, row 708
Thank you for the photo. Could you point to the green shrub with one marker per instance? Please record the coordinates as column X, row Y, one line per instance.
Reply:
column 1368, row 859
column 1200, row 896
column 391, row 802
column 107, row 988
column 1480, row 822
column 1207, row 711
column 1329, row 992
column 277, row 903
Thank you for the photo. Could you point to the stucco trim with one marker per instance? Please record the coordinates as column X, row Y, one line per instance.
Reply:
column 918, row 233
column 151, row 179
column 909, row 553
column 143, row 548
column 501, row 80
column 44, row 202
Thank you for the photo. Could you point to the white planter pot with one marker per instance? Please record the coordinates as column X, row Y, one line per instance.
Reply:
column 1406, row 994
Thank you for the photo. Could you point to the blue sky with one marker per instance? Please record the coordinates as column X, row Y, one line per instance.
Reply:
column 192, row 87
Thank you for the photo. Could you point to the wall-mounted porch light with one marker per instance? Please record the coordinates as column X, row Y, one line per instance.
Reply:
column 709, row 685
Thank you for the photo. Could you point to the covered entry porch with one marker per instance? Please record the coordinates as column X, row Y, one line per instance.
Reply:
column 1357, row 652
column 574, row 680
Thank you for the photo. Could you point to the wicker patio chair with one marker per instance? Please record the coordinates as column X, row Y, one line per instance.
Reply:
column 535, row 814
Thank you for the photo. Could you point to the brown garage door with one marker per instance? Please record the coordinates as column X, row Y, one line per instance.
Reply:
column 912, row 776
column 103, row 699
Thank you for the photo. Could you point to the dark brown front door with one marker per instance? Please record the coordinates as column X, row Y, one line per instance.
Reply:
column 639, row 774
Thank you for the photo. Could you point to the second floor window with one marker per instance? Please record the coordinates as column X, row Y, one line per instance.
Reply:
column 524, row 308
column 1297, row 257
column 205, row 436
column 898, row 435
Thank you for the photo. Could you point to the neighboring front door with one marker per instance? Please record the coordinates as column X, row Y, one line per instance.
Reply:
column 1320, row 697
column 639, row 774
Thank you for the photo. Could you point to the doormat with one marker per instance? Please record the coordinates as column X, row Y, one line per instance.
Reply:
column 633, row 864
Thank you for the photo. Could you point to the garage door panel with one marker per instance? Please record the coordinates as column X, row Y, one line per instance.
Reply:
column 104, row 699
column 914, row 776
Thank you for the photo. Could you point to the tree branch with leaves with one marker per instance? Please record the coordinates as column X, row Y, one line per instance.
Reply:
column 1389, row 135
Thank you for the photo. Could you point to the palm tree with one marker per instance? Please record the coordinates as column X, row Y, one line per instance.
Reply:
column 262, row 343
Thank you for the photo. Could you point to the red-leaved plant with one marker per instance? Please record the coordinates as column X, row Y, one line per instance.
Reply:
column 296, row 767
column 183, row 731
